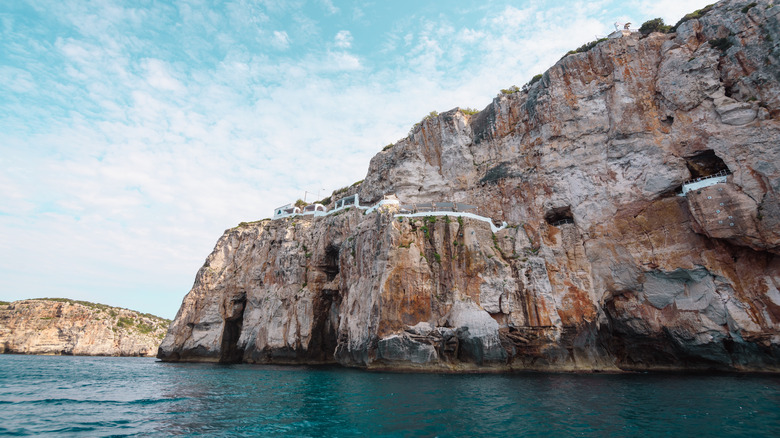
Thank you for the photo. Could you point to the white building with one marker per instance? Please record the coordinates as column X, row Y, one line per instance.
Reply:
column 286, row 211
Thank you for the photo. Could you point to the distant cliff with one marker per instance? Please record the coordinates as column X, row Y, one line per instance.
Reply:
column 602, row 267
column 62, row 326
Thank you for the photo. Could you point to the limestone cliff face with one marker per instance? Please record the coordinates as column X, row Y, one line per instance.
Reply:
column 602, row 267
column 59, row 326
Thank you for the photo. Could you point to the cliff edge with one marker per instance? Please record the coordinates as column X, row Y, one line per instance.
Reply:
column 60, row 326
column 639, row 184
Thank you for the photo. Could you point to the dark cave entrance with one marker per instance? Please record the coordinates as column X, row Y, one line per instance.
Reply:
column 229, row 351
column 705, row 163
column 326, row 310
column 559, row 216
column 331, row 261
column 326, row 324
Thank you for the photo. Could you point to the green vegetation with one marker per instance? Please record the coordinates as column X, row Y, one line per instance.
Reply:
column 430, row 115
column 430, row 219
column 144, row 328
column 340, row 191
column 460, row 220
column 246, row 224
column 586, row 47
column 469, row 111
column 387, row 147
column 535, row 79
column 692, row 16
column 324, row 201
column 300, row 203
column 748, row 6
column 425, row 231
column 437, row 257
column 356, row 183
column 4, row 303
column 723, row 44
column 123, row 322
column 654, row 25
column 511, row 90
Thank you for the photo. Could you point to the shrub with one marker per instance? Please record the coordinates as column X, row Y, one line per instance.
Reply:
column 692, row 16
column 300, row 203
column 356, row 183
column 585, row 47
column 387, row 147
column 124, row 322
column 145, row 328
column 722, row 44
column 654, row 25
column 469, row 111
column 534, row 79
column 511, row 90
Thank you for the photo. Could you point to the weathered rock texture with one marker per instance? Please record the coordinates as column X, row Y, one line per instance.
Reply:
column 603, row 267
column 60, row 326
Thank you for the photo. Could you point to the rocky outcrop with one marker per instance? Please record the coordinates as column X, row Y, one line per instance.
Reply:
column 602, row 267
column 66, row 327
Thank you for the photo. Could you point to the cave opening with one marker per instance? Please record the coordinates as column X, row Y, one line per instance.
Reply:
column 705, row 163
column 324, row 334
column 331, row 261
column 229, row 351
column 559, row 216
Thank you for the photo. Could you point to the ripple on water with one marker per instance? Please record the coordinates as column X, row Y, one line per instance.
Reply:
column 142, row 397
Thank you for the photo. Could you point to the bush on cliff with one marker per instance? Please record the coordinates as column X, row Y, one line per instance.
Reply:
column 654, row 25
column 585, row 47
column 692, row 16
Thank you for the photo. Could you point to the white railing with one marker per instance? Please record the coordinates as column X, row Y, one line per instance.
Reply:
column 704, row 181
column 493, row 227
column 383, row 202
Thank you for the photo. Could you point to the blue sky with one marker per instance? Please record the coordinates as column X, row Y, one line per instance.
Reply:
column 132, row 134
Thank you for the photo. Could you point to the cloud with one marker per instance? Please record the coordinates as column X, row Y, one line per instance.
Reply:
column 329, row 7
column 280, row 40
column 343, row 39
column 130, row 138
column 158, row 75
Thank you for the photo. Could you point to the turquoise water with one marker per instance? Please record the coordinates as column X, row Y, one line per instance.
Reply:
column 142, row 397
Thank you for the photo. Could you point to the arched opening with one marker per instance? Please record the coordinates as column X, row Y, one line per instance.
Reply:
column 559, row 216
column 705, row 163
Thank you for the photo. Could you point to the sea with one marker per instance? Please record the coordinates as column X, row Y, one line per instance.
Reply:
column 112, row 396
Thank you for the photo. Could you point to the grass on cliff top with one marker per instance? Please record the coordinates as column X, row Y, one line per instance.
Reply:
column 104, row 307
column 4, row 303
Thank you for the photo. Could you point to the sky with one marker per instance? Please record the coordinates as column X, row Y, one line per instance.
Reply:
column 133, row 133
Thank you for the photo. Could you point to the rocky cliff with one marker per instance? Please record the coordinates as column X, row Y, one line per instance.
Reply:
column 61, row 326
column 603, row 265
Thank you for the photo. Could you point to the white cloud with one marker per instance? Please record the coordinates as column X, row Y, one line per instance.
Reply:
column 280, row 40
column 158, row 75
column 329, row 7
column 343, row 39
column 130, row 159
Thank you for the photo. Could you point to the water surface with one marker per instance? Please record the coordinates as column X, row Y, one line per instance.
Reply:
column 141, row 397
